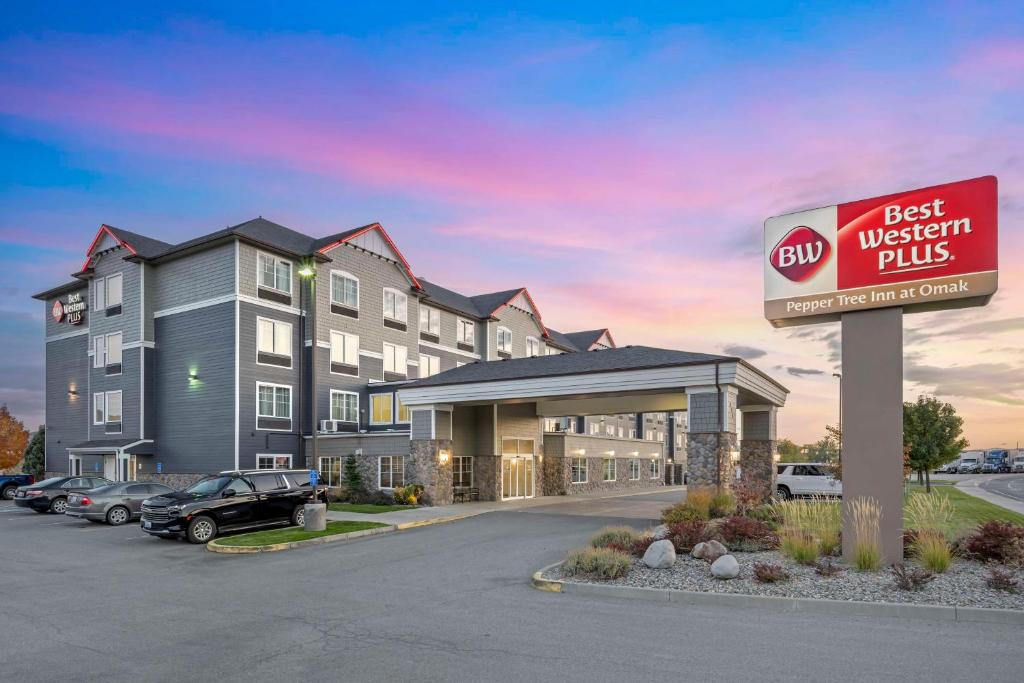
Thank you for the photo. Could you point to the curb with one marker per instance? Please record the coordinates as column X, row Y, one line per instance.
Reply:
column 430, row 522
column 215, row 547
column 805, row 605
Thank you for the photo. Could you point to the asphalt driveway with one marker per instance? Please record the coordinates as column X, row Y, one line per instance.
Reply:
column 443, row 603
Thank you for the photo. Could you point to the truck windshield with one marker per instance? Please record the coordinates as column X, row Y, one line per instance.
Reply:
column 208, row 486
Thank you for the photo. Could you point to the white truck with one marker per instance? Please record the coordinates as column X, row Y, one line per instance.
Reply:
column 1017, row 460
column 806, row 479
column 971, row 462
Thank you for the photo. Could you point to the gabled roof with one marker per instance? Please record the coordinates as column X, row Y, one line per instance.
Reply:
column 585, row 340
column 59, row 290
column 562, row 341
column 495, row 301
column 357, row 237
column 451, row 300
column 138, row 245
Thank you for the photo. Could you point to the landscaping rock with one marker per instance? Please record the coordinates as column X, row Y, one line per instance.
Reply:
column 660, row 555
column 660, row 531
column 709, row 551
column 725, row 567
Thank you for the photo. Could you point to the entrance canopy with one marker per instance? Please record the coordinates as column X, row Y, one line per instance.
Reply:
column 630, row 379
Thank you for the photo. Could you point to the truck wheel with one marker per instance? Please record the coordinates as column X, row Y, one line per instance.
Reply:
column 202, row 529
column 8, row 492
column 784, row 493
column 299, row 515
column 59, row 505
column 118, row 515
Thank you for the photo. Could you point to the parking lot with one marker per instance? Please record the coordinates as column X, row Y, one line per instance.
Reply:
column 443, row 603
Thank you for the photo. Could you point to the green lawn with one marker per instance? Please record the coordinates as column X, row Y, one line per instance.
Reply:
column 970, row 511
column 367, row 508
column 295, row 533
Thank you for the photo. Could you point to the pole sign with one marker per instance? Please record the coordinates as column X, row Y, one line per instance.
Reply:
column 923, row 250
column 313, row 476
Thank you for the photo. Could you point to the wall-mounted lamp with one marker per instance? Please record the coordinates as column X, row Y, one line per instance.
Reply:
column 443, row 456
column 72, row 391
column 307, row 271
column 777, row 457
column 734, row 455
column 193, row 375
column 610, row 454
column 580, row 451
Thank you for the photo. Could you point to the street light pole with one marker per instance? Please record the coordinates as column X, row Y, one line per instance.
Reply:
column 316, row 519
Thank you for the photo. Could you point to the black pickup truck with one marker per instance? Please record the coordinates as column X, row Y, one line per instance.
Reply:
column 9, row 483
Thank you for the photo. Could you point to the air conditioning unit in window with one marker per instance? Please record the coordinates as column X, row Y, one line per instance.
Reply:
column 328, row 425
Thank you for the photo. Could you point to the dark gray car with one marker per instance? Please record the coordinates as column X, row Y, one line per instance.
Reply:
column 114, row 504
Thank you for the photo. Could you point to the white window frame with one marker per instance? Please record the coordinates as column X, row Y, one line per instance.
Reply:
column 260, row 255
column 347, row 340
column 459, row 459
column 595, row 428
column 391, row 462
column 426, row 361
column 345, row 275
column 604, row 469
column 273, row 462
column 99, row 294
column 106, row 410
column 535, row 343
column 632, row 433
column 291, row 399
column 274, row 325
column 399, row 406
column 120, row 350
column 395, row 360
column 398, row 296
column 579, row 464
column 504, row 339
column 99, row 405
column 634, row 468
column 325, row 480
column 74, row 465
column 345, row 393
column 655, row 468
column 99, row 351
column 463, row 325
column 108, row 300
column 609, row 430
column 390, row 396
column 433, row 316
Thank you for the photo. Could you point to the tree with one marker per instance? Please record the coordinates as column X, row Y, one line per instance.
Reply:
column 35, row 454
column 13, row 439
column 354, row 486
column 788, row 451
column 835, row 437
column 931, row 435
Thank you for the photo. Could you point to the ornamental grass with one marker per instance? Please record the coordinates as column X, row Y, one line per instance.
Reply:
column 808, row 528
column 601, row 563
column 866, row 518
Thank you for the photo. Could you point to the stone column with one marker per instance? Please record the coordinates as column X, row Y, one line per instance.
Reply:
column 430, row 463
column 758, row 448
column 712, row 450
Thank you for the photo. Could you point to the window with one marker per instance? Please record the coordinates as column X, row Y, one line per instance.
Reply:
column 99, row 294
column 239, row 486
column 462, row 472
column 390, row 471
column 114, row 352
column 330, row 470
column 594, row 428
column 344, row 353
column 622, row 432
column 114, row 285
column 465, row 332
column 504, row 340
column 99, row 351
column 649, row 435
column 403, row 410
column 273, row 462
column 106, row 353
column 632, row 433
column 273, row 342
column 74, row 466
column 532, row 346
column 609, row 430
column 655, row 468
column 395, row 359
column 99, row 408
column 273, row 402
column 344, row 289
column 634, row 469
column 275, row 273
column 344, row 406
column 113, row 416
column 268, row 482
column 430, row 321
column 429, row 365
column 380, row 408
column 609, row 469
column 579, row 470
column 395, row 305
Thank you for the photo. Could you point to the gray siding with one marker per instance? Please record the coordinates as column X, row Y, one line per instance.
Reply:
column 247, row 272
column 522, row 325
column 204, row 275
column 129, row 321
column 195, row 420
column 67, row 416
column 421, row 420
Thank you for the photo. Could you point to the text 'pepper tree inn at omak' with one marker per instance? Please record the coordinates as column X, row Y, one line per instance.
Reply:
column 171, row 361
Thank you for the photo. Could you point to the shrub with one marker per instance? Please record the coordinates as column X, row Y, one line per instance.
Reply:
column 353, row 479
column 408, row 495
column 699, row 500
column 639, row 546
column 799, row 546
column 376, row 497
column 685, row 535
column 827, row 567
column 909, row 536
column 620, row 536
column 748, row 495
column 910, row 579
column 602, row 563
column 765, row 513
column 722, row 505
column 997, row 541
column 929, row 513
column 681, row 512
column 866, row 516
column 1001, row 579
column 770, row 573
column 932, row 551
column 746, row 533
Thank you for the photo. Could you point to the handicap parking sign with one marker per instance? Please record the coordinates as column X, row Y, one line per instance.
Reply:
column 313, row 477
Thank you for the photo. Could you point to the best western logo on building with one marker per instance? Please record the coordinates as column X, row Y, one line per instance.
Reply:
column 912, row 249
column 72, row 312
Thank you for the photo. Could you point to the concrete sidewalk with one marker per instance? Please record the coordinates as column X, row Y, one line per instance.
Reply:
column 973, row 487
column 423, row 516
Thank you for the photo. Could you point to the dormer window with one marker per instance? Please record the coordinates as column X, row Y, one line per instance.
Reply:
column 505, row 341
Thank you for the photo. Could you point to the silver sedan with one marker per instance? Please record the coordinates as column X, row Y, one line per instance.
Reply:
column 114, row 504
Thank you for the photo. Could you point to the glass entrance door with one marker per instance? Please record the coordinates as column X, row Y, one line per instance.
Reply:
column 517, row 476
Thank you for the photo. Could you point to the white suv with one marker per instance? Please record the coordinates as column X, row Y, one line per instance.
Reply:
column 806, row 479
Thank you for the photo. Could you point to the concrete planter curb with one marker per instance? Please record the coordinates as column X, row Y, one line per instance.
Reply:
column 216, row 547
column 782, row 604
column 430, row 522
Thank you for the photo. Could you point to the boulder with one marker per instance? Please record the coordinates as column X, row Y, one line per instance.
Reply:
column 660, row 555
column 725, row 567
column 660, row 531
column 709, row 551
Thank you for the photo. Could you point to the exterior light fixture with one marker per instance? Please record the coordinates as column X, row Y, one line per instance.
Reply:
column 735, row 455
column 443, row 456
column 580, row 451
column 72, row 391
column 307, row 271
column 777, row 457
column 193, row 375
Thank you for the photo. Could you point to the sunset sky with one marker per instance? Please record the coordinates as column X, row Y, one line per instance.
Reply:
column 619, row 165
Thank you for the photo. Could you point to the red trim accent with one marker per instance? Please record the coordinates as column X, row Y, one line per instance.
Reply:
column 387, row 238
column 610, row 338
column 99, row 233
column 522, row 290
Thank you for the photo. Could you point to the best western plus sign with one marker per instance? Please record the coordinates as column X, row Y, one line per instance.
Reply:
column 912, row 249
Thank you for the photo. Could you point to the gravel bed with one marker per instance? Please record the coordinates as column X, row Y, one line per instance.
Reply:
column 963, row 585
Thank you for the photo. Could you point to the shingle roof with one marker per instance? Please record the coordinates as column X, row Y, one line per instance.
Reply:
column 561, row 340
column 146, row 247
column 61, row 289
column 489, row 303
column 605, row 360
column 584, row 340
column 447, row 298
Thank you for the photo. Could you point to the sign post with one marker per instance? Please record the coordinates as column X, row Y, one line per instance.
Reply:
column 867, row 263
